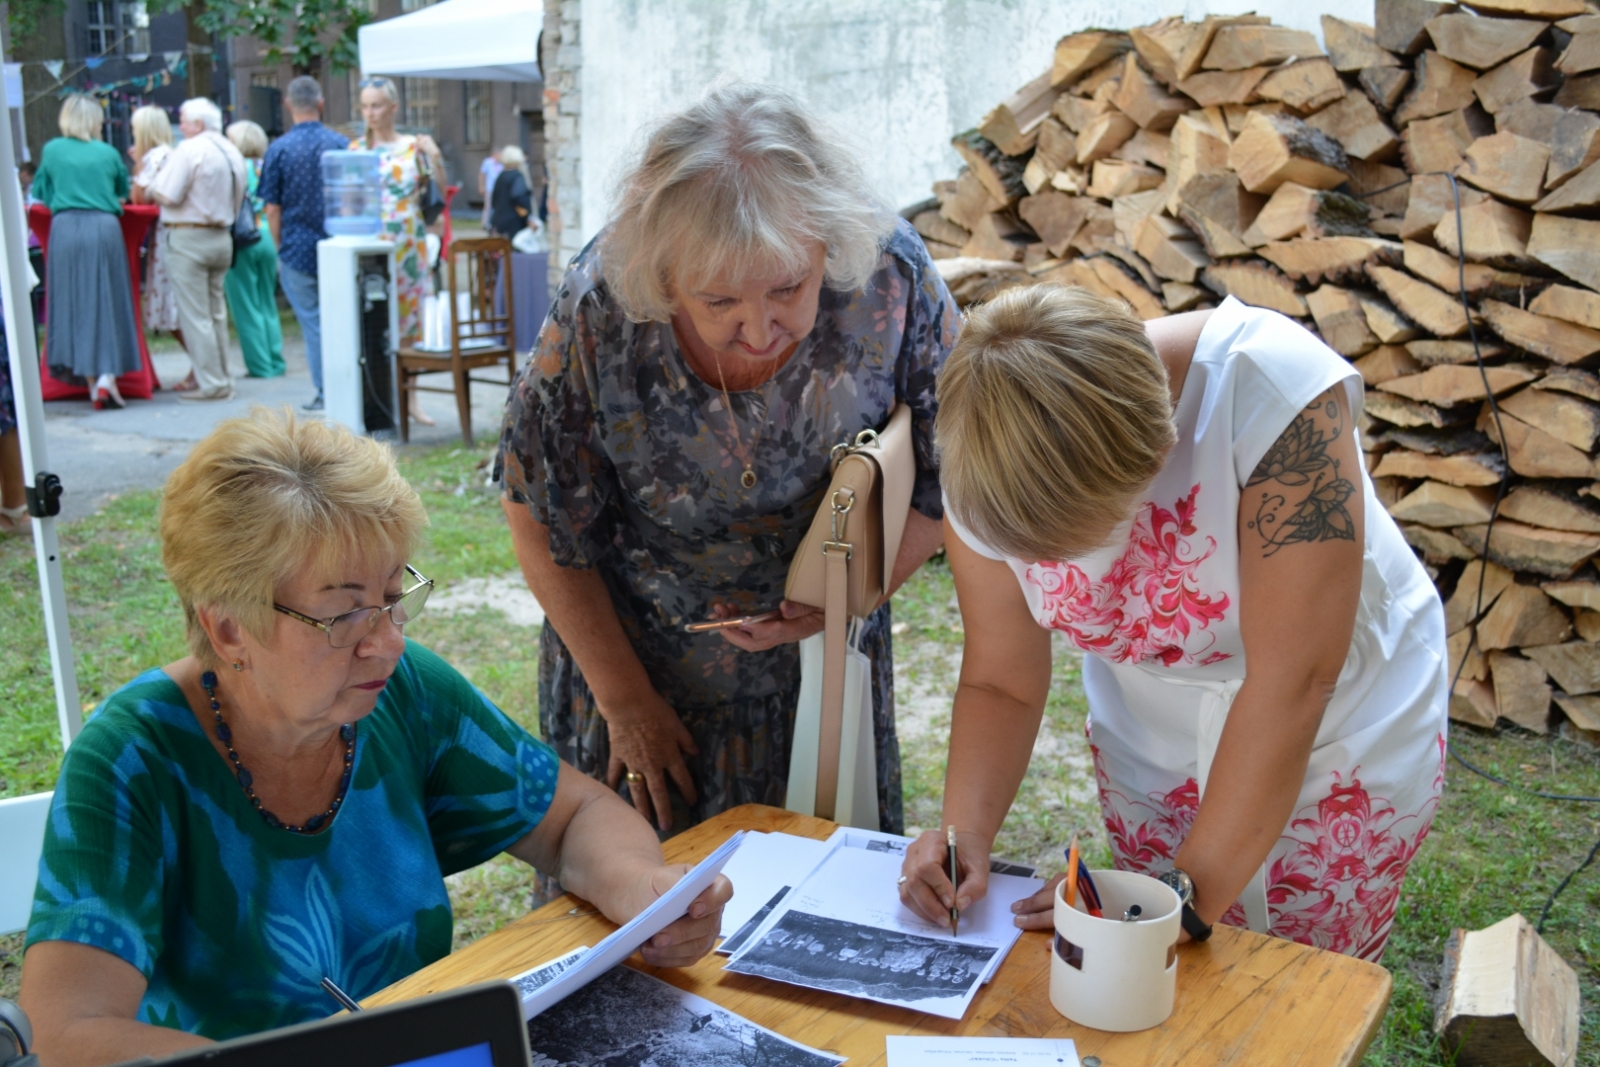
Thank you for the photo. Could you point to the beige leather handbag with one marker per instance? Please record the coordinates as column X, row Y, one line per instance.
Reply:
column 846, row 561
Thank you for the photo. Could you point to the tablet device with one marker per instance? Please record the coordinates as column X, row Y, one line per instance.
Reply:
column 479, row 1026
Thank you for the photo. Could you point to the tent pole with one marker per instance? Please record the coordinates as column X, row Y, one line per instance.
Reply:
column 42, row 502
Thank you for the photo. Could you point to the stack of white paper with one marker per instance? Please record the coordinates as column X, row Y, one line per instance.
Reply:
column 974, row 1051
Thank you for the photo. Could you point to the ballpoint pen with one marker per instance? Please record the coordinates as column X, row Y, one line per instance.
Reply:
column 955, row 912
column 346, row 1001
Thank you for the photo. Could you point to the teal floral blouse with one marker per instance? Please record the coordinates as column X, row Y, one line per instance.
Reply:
column 154, row 854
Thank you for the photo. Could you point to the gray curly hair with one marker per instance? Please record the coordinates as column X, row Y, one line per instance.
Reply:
column 742, row 180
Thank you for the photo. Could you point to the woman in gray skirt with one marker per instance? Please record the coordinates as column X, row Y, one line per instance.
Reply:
column 90, row 332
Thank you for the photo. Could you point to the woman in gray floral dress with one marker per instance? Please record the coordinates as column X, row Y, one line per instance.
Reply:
column 749, row 305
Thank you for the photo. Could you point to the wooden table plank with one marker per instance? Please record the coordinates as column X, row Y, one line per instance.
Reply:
column 1242, row 998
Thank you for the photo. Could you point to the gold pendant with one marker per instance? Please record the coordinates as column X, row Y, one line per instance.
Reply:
column 748, row 478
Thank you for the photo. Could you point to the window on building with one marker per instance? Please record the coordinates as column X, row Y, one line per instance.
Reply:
column 419, row 104
column 476, row 96
column 118, row 28
column 415, row 5
column 265, row 78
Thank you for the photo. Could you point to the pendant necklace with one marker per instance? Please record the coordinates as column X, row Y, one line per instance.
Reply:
column 748, row 478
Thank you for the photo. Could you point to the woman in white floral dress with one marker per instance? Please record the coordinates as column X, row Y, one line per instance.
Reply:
column 152, row 144
column 1184, row 500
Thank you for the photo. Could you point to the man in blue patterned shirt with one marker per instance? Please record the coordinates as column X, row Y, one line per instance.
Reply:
column 291, row 185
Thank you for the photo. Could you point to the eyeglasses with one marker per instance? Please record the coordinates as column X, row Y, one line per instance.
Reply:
column 373, row 83
column 350, row 628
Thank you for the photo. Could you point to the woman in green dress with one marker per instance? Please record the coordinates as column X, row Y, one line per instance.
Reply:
column 252, row 283
column 282, row 804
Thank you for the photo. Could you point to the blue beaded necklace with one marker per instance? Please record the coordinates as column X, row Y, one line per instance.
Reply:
column 208, row 682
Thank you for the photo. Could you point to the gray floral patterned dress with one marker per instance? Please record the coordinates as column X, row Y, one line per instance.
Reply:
column 629, row 458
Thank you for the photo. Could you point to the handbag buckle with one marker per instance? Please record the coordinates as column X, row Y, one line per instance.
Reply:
column 868, row 438
column 849, row 549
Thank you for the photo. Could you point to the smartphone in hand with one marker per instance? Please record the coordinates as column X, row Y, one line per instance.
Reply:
column 728, row 624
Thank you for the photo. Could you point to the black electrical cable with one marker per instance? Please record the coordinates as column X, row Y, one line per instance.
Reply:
column 1488, row 533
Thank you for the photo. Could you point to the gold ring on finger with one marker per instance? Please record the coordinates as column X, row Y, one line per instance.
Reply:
column 635, row 777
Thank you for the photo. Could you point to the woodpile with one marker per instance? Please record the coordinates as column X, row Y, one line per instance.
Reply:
column 1178, row 163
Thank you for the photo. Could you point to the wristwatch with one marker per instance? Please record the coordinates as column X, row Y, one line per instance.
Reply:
column 1180, row 883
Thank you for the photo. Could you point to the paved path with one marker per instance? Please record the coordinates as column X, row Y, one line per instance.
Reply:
column 101, row 453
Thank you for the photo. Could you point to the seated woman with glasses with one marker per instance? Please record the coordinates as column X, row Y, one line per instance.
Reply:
column 282, row 805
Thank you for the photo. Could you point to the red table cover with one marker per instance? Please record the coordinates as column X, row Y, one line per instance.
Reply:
column 140, row 384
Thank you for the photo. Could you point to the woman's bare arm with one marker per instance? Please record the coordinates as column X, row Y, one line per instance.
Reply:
column 1301, row 535
column 84, row 1003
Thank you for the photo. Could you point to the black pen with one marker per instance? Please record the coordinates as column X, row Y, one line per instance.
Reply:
column 955, row 912
column 340, row 995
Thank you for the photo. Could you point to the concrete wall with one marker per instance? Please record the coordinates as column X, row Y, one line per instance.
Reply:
column 896, row 76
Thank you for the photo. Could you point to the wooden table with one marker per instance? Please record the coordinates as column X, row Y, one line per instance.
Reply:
column 1242, row 998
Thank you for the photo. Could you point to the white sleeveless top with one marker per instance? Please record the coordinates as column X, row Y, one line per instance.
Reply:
column 1158, row 611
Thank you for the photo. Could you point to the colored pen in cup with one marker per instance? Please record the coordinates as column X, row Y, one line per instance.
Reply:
column 345, row 1000
column 955, row 912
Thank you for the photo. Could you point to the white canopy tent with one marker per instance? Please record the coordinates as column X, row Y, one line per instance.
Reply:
column 483, row 40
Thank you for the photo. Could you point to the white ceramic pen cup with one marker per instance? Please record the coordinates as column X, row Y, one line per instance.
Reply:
column 1113, row 975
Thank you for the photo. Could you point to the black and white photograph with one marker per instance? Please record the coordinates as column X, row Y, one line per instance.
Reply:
column 626, row 1018
column 865, row 961
column 528, row 982
column 741, row 935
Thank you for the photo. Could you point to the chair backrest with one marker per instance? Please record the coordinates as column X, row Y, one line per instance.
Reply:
column 480, row 270
column 22, row 821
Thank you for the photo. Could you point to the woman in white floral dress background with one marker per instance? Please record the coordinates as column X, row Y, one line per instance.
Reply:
column 152, row 144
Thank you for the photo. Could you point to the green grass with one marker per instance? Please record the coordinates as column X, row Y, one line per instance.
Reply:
column 1492, row 851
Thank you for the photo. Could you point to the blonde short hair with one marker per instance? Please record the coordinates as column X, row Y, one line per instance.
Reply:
column 81, row 117
column 268, row 496
column 151, row 127
column 742, row 180
column 1055, row 415
column 249, row 138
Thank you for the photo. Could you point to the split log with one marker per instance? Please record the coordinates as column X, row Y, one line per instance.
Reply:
column 997, row 236
column 935, row 227
column 1571, row 380
column 1130, row 259
column 1353, row 46
column 1100, row 82
column 1385, row 85
column 1434, row 266
column 1521, row 693
column 1070, row 179
column 1571, row 246
column 1580, row 593
column 1238, row 47
column 1439, row 85
column 1468, row 603
column 1146, row 146
column 1429, row 200
column 1356, row 124
column 1315, row 259
column 1436, row 144
column 1404, row 411
column 1076, row 112
column 1554, row 511
column 1436, row 546
column 1256, row 284
column 1508, row 998
column 1583, row 718
column 1116, row 177
column 1579, row 306
column 1563, row 342
column 1213, row 88
column 1055, row 217
column 1432, row 353
column 1587, row 623
column 1379, row 365
column 1142, row 100
column 1472, row 702
column 1013, row 125
column 1521, row 615
column 1175, row 48
column 1534, row 453
column 1079, row 272
column 1343, row 326
column 1200, row 145
column 1218, row 209
column 1518, row 78
column 1179, row 296
column 1104, row 134
column 1582, row 91
column 1496, row 233
column 1481, row 42
column 1116, row 278
column 1401, row 26
column 1097, row 229
column 1056, row 146
column 1439, row 505
column 1461, row 646
column 1306, row 85
column 1508, row 166
column 1562, row 416
column 970, row 202
column 1447, row 386
column 1582, row 54
column 1383, row 187
column 1574, row 666
column 1450, row 441
column 1171, row 249
column 1575, row 145
column 1079, row 53
column 1129, row 212
column 1391, row 327
column 1530, row 119
column 1554, row 553
column 1000, row 174
column 1273, row 149
column 1481, row 469
column 1294, row 209
column 1438, row 313
column 1582, row 191
column 1539, row 9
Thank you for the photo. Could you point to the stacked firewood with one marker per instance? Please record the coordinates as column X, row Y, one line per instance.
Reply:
column 1180, row 162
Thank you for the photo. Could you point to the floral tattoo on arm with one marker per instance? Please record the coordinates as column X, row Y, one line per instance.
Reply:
column 1303, row 494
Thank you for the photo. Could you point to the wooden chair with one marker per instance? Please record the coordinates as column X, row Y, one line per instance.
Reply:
column 485, row 336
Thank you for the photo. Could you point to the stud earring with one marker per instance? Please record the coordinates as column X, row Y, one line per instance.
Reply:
column 237, row 665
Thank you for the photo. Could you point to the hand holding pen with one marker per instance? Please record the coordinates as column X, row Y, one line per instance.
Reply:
column 926, row 883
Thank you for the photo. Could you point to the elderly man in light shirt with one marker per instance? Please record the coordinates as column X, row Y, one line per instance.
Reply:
column 199, row 189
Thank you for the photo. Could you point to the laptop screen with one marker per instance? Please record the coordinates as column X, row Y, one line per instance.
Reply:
column 474, row 1056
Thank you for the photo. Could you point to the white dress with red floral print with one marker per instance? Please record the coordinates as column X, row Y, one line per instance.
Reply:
column 1158, row 608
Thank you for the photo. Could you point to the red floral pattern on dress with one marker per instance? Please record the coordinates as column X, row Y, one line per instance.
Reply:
column 1333, row 879
column 1148, row 605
